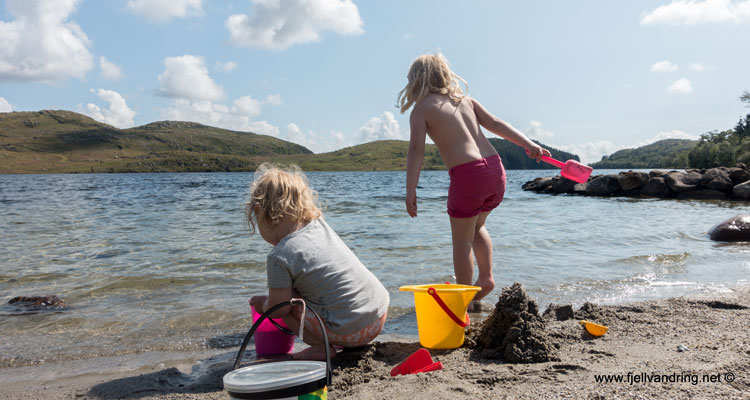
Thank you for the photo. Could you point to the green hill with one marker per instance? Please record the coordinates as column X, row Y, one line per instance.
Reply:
column 667, row 153
column 64, row 141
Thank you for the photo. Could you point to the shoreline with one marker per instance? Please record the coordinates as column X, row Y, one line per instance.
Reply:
column 642, row 341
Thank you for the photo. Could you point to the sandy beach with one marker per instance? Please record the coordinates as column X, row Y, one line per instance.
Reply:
column 681, row 348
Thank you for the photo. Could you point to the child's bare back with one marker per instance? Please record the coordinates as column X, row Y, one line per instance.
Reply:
column 454, row 128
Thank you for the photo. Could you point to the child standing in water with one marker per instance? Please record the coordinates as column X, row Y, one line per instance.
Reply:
column 477, row 177
column 310, row 261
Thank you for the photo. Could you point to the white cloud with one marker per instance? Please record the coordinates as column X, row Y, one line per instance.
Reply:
column 186, row 77
column 535, row 131
column 664, row 66
column 379, row 128
column 673, row 134
column 698, row 67
column 118, row 113
column 680, row 86
column 220, row 115
column 590, row 151
column 41, row 44
column 165, row 10
column 5, row 106
column 226, row 66
column 109, row 70
column 274, row 99
column 692, row 12
column 295, row 135
column 248, row 106
column 279, row 24
column 318, row 143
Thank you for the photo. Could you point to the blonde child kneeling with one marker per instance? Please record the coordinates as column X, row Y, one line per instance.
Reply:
column 310, row 261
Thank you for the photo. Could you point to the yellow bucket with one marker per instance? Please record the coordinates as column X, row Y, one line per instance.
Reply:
column 438, row 309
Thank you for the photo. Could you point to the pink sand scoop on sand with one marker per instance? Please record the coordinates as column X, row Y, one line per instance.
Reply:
column 571, row 169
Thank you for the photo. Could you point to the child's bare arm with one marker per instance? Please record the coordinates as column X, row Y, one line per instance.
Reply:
column 275, row 296
column 414, row 159
column 505, row 130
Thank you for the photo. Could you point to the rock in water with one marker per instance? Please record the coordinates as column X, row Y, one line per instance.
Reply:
column 742, row 190
column 32, row 304
column 675, row 182
column 632, row 180
column 656, row 187
column 514, row 331
column 735, row 229
column 603, row 185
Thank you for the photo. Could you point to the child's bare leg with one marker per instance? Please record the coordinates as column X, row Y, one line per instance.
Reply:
column 462, row 232
column 316, row 351
column 482, row 246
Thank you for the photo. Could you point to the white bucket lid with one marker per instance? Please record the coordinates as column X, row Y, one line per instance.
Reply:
column 273, row 376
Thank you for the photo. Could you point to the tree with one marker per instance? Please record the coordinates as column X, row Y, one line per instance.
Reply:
column 745, row 97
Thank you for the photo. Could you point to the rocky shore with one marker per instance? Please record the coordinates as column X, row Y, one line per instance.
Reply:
column 697, row 184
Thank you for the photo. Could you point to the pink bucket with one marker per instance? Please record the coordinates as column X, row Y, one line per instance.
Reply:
column 269, row 339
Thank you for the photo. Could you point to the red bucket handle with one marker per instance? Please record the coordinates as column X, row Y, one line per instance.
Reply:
column 447, row 310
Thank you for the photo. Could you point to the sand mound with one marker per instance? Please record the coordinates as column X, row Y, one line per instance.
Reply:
column 514, row 331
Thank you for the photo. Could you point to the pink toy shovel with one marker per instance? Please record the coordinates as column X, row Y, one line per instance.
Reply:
column 571, row 169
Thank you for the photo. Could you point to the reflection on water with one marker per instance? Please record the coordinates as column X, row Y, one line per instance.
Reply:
column 151, row 262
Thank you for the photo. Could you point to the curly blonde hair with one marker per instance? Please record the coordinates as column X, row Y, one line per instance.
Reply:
column 277, row 192
column 430, row 73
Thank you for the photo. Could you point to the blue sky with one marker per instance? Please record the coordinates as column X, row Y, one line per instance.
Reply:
column 589, row 77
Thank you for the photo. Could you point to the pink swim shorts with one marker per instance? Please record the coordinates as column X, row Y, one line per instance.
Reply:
column 476, row 186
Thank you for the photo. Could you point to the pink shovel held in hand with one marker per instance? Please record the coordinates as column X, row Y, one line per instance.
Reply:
column 571, row 169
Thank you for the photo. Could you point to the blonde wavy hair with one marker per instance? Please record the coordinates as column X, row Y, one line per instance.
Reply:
column 279, row 191
column 430, row 73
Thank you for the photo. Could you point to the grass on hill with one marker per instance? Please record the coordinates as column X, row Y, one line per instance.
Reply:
column 66, row 142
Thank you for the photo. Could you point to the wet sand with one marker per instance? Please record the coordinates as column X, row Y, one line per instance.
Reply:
column 713, row 361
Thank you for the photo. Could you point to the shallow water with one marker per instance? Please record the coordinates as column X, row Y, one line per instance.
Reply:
column 165, row 262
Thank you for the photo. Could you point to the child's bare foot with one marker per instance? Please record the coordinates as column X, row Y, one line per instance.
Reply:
column 487, row 286
column 315, row 353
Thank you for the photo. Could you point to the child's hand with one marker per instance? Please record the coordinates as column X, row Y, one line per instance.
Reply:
column 257, row 303
column 411, row 203
column 536, row 152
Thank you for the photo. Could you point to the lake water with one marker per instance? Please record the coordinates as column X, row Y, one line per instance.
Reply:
column 164, row 262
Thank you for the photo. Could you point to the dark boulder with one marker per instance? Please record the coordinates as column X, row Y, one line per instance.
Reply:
column 657, row 172
column 692, row 177
column 717, row 179
column 738, row 175
column 603, row 185
column 656, row 187
column 33, row 304
column 562, row 185
column 675, row 182
column 735, row 229
column 632, row 180
column 742, row 190
column 537, row 185
column 702, row 194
